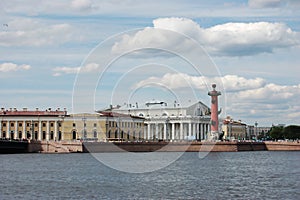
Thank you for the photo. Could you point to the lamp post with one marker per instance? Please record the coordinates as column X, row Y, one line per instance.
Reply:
column 256, row 130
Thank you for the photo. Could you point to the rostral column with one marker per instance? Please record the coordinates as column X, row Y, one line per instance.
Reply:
column 214, row 130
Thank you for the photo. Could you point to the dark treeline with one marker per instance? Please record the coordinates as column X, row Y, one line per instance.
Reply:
column 289, row 132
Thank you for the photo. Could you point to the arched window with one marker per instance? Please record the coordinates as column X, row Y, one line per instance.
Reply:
column 95, row 134
column 74, row 135
column 116, row 134
column 108, row 134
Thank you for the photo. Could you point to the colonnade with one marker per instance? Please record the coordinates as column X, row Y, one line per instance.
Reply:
column 176, row 130
column 44, row 129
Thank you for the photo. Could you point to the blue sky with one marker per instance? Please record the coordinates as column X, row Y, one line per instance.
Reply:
column 249, row 48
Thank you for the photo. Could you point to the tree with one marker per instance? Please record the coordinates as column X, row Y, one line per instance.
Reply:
column 291, row 132
column 276, row 132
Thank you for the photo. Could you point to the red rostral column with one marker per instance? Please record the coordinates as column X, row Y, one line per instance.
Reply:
column 214, row 111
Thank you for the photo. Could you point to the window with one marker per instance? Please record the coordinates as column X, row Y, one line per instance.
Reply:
column 4, row 124
column 28, row 124
column 95, row 124
column 12, row 124
column 44, row 124
column 74, row 135
column 74, row 125
column 95, row 134
column 20, row 124
column 44, row 135
column 51, row 124
column 59, row 135
column 51, row 135
column 36, row 124
column 59, row 124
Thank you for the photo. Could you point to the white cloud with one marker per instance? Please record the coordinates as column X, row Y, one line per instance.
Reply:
column 231, row 83
column 230, row 39
column 246, row 98
column 28, row 32
column 264, row 3
column 7, row 67
column 81, row 5
column 90, row 67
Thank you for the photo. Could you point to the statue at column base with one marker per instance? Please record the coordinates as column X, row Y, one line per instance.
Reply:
column 213, row 136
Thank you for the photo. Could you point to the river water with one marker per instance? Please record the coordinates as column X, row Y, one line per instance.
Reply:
column 224, row 175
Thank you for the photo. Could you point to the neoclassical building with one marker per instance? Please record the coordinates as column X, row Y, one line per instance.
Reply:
column 103, row 126
column 56, row 125
column 37, row 124
column 163, row 122
column 234, row 130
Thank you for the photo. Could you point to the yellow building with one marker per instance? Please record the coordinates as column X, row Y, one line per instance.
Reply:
column 37, row 125
column 57, row 125
column 234, row 130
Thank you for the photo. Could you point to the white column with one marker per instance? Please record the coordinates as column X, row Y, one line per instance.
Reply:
column 173, row 131
column 181, row 131
column 145, row 133
column 40, row 131
column 149, row 132
column 190, row 129
column 7, row 129
column 16, row 130
column 1, row 130
column 164, row 137
column 194, row 130
column 201, row 132
column 156, row 130
column 47, row 131
column 197, row 131
column 55, row 131
column 24, row 130
column 208, row 127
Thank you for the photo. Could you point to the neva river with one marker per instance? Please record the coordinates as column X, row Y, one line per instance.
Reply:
column 230, row 175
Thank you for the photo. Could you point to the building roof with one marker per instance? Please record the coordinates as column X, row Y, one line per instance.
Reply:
column 16, row 112
column 115, row 114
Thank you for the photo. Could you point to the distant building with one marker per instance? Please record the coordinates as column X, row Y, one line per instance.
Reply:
column 56, row 125
column 104, row 126
column 38, row 125
column 234, row 130
column 173, row 122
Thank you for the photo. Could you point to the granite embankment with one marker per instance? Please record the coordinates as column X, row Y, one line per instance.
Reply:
column 94, row 147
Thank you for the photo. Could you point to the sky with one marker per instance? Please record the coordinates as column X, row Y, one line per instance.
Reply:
column 84, row 55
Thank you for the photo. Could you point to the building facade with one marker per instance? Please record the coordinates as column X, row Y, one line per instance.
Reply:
column 163, row 122
column 37, row 125
column 56, row 125
column 234, row 130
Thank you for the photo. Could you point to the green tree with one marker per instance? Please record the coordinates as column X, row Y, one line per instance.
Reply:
column 276, row 132
column 291, row 132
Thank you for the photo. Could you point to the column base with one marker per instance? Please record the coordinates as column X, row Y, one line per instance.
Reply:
column 213, row 136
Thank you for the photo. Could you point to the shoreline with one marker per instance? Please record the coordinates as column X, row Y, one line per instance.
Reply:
column 59, row 147
column 162, row 146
